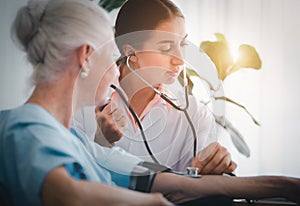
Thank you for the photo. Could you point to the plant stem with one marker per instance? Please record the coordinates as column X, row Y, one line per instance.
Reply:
column 239, row 105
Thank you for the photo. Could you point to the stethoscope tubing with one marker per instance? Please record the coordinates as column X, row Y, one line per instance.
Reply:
column 168, row 100
column 137, row 120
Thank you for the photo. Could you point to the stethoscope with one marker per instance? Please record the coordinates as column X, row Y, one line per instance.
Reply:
column 169, row 100
column 164, row 97
column 194, row 171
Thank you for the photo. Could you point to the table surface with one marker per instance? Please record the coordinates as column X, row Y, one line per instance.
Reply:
column 265, row 202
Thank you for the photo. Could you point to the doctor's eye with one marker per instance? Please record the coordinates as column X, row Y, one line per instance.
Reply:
column 165, row 48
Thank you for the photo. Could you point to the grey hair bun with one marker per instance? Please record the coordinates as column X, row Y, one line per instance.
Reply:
column 27, row 22
column 50, row 32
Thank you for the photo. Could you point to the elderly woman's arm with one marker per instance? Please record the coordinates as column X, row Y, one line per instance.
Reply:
column 60, row 189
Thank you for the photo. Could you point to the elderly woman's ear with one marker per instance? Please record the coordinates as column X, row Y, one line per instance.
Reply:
column 83, row 54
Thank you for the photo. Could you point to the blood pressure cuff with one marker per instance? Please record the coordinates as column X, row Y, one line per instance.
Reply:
column 142, row 175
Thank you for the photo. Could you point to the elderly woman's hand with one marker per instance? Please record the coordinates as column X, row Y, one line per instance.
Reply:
column 111, row 122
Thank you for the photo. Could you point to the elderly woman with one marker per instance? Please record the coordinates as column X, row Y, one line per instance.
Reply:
column 69, row 44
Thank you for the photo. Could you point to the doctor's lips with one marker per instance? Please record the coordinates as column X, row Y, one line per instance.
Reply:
column 174, row 73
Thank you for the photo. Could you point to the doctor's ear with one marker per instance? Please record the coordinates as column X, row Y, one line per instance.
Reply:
column 129, row 51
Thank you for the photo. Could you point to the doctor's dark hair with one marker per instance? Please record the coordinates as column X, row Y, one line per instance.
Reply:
column 51, row 31
column 141, row 15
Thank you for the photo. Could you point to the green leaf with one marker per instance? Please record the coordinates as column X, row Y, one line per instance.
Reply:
column 192, row 73
column 190, row 82
column 236, row 137
column 248, row 58
column 221, row 38
column 109, row 5
column 219, row 53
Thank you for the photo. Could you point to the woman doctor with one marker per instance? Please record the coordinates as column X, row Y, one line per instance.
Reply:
column 151, row 37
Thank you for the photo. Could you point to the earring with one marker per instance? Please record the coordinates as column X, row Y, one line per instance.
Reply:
column 83, row 75
column 84, row 72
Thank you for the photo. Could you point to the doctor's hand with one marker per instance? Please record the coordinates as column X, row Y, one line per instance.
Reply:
column 214, row 159
column 111, row 122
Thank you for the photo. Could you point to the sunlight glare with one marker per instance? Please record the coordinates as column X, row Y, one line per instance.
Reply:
column 234, row 51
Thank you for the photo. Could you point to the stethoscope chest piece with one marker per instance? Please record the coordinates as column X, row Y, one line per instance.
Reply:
column 192, row 172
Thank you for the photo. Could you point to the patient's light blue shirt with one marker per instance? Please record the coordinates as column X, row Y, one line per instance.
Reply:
column 33, row 142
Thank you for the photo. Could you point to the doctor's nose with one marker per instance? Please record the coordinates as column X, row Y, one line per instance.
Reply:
column 177, row 61
column 177, row 58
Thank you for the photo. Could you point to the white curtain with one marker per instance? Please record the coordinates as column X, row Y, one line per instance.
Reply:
column 270, row 94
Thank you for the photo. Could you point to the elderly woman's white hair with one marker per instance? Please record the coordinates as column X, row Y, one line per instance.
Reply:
column 49, row 31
